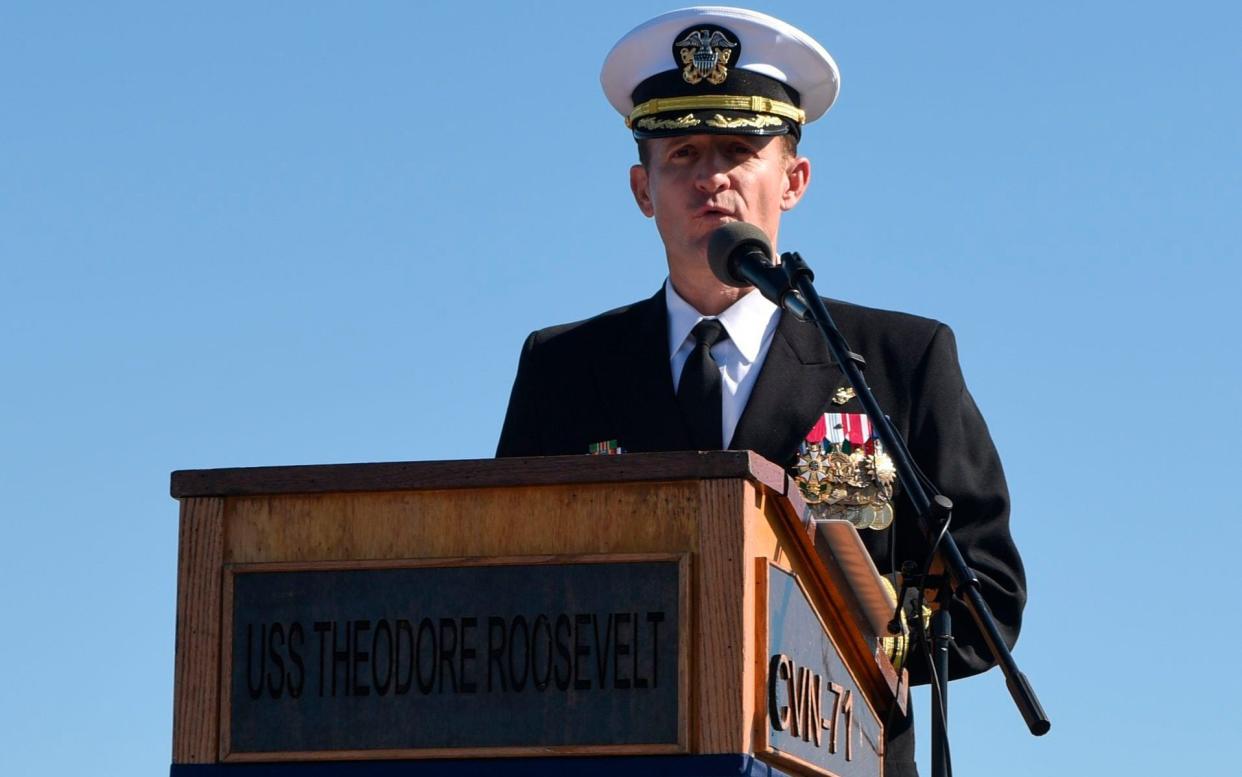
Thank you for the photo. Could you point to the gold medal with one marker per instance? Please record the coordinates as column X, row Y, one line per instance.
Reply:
column 883, row 517
column 809, row 473
column 882, row 469
column 866, row 515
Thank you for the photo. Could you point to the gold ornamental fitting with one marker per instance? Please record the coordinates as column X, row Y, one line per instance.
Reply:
column 897, row 648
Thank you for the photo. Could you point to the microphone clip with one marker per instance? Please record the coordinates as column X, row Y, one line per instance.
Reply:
column 796, row 268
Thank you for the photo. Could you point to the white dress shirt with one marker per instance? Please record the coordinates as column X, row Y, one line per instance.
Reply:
column 750, row 322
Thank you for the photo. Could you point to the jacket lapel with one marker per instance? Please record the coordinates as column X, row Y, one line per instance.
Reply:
column 794, row 387
column 636, row 385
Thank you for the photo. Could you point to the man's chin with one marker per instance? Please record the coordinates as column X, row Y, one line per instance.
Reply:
column 705, row 227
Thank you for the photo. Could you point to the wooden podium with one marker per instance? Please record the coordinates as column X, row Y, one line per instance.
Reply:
column 661, row 613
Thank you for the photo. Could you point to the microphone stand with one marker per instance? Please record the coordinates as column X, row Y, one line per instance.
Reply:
column 932, row 512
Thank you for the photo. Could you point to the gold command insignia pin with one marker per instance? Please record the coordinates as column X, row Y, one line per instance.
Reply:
column 842, row 395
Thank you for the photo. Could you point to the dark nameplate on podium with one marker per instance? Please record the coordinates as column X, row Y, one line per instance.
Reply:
column 496, row 655
column 818, row 717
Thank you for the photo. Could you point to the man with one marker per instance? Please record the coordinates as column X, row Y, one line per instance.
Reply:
column 716, row 99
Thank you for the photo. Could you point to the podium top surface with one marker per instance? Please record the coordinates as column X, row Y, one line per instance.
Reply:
column 484, row 473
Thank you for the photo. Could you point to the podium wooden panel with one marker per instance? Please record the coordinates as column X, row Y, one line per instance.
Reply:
column 733, row 515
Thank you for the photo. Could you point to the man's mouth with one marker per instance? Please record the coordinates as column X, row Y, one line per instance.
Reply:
column 713, row 211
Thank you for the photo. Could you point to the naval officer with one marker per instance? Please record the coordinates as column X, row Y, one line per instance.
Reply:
column 717, row 100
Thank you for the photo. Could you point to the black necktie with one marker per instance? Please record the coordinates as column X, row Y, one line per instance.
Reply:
column 698, row 391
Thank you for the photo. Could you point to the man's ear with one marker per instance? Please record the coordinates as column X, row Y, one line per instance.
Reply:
column 642, row 195
column 797, row 178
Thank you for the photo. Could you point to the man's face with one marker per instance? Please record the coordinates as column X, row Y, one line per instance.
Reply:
column 693, row 184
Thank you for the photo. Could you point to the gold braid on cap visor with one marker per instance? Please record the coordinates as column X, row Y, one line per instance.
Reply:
column 719, row 102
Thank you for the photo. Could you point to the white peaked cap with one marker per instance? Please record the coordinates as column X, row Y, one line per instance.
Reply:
column 768, row 47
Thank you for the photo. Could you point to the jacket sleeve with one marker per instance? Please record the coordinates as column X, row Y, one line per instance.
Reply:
column 520, row 434
column 950, row 441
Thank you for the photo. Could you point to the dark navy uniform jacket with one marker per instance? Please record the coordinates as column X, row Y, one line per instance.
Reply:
column 608, row 378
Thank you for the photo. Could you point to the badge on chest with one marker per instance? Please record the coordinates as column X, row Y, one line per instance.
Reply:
column 843, row 471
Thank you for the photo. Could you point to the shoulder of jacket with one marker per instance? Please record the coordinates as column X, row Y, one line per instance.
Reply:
column 877, row 331
column 616, row 323
column 893, row 319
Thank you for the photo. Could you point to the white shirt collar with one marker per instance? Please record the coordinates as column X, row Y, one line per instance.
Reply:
column 745, row 320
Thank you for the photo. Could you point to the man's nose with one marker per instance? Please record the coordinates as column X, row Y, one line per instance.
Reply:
column 711, row 175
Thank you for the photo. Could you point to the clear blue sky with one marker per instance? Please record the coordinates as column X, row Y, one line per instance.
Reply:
column 245, row 234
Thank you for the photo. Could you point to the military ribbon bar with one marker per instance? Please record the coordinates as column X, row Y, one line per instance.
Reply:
column 605, row 448
column 839, row 428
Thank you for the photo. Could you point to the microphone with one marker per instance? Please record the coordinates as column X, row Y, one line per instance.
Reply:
column 740, row 255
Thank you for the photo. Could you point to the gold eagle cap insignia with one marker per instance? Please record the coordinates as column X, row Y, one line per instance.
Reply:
column 705, row 54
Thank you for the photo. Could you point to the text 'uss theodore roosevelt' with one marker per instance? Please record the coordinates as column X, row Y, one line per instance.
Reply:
column 461, row 655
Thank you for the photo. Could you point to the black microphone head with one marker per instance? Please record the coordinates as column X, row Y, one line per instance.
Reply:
column 734, row 240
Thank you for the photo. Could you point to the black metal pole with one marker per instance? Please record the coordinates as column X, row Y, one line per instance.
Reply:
column 942, row 635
